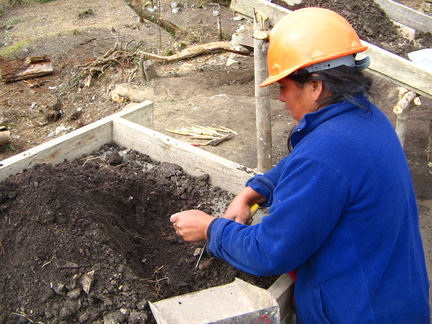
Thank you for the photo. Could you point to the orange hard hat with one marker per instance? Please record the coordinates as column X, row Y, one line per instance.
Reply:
column 306, row 38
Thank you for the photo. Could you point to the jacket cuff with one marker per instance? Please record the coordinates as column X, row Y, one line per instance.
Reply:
column 209, row 228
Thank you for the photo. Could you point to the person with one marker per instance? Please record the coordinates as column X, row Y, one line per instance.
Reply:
column 342, row 208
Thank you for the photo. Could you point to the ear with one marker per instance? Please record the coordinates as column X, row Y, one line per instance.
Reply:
column 316, row 89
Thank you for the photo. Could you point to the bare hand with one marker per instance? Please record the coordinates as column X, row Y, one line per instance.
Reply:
column 191, row 225
column 238, row 211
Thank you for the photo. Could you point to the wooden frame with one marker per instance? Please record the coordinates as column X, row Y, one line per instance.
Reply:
column 394, row 67
column 128, row 128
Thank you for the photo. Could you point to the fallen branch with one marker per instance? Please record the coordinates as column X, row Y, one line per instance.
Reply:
column 139, row 7
column 194, row 51
column 217, row 141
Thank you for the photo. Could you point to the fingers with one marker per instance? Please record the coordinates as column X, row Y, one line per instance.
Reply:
column 191, row 225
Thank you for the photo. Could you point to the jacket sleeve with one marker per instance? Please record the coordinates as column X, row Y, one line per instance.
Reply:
column 265, row 183
column 307, row 203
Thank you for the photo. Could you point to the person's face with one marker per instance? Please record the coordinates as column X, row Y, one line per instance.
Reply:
column 299, row 100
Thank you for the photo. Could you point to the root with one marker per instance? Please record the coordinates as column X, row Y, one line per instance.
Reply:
column 117, row 56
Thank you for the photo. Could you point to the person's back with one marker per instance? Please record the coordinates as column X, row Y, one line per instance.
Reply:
column 371, row 267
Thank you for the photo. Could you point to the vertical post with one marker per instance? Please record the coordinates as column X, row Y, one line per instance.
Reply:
column 429, row 150
column 262, row 95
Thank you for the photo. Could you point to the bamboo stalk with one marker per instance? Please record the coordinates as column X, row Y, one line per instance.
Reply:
column 229, row 130
column 176, row 132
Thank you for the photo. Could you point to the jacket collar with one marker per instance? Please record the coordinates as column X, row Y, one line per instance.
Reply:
column 312, row 120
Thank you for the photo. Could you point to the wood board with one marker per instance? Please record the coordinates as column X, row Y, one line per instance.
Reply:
column 406, row 15
column 386, row 64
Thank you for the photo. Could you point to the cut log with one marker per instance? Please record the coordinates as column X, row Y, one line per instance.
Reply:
column 30, row 67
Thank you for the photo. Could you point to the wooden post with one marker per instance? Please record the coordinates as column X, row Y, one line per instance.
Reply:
column 407, row 100
column 262, row 95
column 429, row 149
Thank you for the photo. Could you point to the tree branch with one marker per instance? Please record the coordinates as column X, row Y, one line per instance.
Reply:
column 139, row 7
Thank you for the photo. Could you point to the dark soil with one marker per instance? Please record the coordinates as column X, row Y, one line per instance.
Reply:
column 90, row 240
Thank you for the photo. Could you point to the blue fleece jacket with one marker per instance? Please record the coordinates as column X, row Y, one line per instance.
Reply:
column 343, row 213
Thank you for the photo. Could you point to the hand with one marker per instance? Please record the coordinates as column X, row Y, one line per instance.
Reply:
column 239, row 209
column 191, row 225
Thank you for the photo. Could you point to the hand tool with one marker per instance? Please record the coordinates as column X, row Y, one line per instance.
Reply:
column 253, row 209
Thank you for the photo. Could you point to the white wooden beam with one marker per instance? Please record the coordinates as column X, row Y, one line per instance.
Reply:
column 76, row 143
column 224, row 173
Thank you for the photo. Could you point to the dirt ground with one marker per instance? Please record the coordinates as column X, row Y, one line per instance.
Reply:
column 209, row 90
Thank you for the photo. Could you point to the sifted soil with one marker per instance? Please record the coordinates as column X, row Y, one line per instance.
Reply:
column 90, row 240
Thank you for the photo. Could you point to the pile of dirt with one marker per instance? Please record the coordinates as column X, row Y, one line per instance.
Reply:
column 90, row 240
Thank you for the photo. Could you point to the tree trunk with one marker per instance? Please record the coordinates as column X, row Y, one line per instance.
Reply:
column 139, row 7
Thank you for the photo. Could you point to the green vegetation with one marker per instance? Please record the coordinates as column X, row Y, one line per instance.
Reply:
column 86, row 13
column 9, row 148
column 11, row 22
column 44, row 1
column 7, row 51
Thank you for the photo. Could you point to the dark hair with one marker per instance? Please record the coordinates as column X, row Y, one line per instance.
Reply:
column 339, row 83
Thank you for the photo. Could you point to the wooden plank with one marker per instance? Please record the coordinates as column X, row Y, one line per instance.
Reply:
column 195, row 161
column 20, row 69
column 389, row 65
column 399, row 70
column 406, row 15
column 69, row 146
column 141, row 114
column 272, row 11
column 283, row 290
column 75, row 144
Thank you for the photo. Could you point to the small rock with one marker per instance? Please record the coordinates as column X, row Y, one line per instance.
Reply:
column 74, row 294
column 142, row 304
column 70, row 307
column 230, row 62
column 115, row 158
column 137, row 317
column 114, row 318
